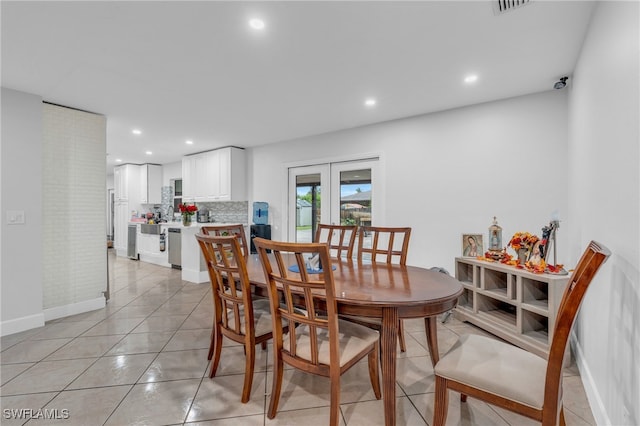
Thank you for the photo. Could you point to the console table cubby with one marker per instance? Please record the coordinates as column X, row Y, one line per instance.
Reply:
column 514, row 304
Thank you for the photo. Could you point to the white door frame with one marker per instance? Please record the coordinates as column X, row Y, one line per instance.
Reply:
column 329, row 207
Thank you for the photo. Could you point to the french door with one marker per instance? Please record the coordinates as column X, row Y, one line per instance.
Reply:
column 337, row 193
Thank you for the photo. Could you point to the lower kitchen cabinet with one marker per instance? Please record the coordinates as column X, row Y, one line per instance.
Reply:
column 122, row 215
column 514, row 304
column 149, row 249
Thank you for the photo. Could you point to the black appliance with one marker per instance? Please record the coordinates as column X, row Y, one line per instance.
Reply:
column 261, row 231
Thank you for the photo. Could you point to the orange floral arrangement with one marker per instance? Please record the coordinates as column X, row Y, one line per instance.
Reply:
column 523, row 240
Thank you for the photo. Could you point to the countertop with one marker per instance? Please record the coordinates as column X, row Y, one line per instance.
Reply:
column 178, row 224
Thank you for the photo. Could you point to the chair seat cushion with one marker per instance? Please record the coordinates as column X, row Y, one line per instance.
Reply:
column 353, row 339
column 261, row 317
column 496, row 367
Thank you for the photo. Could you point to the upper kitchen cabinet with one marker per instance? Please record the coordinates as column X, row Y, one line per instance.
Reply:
column 218, row 175
column 150, row 184
column 125, row 178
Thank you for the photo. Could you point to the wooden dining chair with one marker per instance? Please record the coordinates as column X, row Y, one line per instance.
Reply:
column 223, row 230
column 233, row 229
column 512, row 378
column 321, row 344
column 341, row 238
column 236, row 315
column 390, row 245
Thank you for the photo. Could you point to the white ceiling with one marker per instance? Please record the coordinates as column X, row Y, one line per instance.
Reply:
column 196, row 70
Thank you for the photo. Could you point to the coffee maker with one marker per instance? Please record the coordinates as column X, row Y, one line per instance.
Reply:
column 203, row 216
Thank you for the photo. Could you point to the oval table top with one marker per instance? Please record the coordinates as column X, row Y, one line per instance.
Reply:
column 415, row 291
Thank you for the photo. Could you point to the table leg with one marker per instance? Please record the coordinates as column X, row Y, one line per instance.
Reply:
column 389, row 342
column 431, row 327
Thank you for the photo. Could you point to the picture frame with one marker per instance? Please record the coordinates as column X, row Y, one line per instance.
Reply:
column 472, row 245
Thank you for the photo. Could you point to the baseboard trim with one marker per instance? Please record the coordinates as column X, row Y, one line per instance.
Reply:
column 21, row 324
column 593, row 396
column 74, row 308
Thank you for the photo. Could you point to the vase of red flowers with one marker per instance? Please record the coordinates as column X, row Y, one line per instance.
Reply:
column 187, row 212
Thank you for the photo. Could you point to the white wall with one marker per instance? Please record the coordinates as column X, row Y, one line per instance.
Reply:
column 21, row 254
column 447, row 173
column 171, row 171
column 604, row 199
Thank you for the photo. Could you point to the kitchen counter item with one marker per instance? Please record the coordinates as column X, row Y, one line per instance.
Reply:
column 203, row 216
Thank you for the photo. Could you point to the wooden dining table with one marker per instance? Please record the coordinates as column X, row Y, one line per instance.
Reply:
column 390, row 292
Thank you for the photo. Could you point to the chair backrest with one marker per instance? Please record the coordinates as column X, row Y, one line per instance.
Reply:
column 340, row 238
column 300, row 287
column 391, row 243
column 223, row 230
column 229, row 282
column 592, row 258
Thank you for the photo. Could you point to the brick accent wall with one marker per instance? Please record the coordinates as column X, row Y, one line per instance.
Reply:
column 74, row 205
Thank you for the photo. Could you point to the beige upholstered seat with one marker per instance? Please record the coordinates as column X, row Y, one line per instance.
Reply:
column 497, row 368
column 236, row 315
column 510, row 377
column 321, row 344
column 341, row 239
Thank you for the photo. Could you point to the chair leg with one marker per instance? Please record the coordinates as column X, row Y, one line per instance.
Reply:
column 263, row 345
column 210, row 354
column 250, row 357
column 441, row 402
column 403, row 345
column 374, row 372
column 334, row 408
column 278, row 369
column 463, row 397
column 217, row 350
column 562, row 422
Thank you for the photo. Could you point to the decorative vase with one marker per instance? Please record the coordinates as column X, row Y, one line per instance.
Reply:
column 522, row 255
column 186, row 220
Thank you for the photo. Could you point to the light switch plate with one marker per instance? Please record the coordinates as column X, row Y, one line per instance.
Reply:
column 15, row 217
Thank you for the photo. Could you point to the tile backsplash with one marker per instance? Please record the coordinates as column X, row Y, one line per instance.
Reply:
column 223, row 211
column 228, row 211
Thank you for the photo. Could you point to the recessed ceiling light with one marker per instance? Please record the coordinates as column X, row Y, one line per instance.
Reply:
column 370, row 102
column 189, row 142
column 256, row 24
column 118, row 160
column 148, row 152
column 136, row 131
column 471, row 78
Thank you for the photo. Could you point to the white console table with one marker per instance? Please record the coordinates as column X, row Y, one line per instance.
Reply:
column 511, row 303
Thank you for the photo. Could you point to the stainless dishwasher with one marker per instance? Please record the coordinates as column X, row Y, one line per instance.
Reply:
column 175, row 248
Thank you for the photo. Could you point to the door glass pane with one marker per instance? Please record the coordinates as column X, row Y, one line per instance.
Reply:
column 355, row 200
column 308, row 206
column 355, row 197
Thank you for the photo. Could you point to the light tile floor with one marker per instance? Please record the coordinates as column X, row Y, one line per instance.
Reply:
column 143, row 360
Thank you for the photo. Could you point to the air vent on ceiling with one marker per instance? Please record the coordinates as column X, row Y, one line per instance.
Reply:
column 502, row 6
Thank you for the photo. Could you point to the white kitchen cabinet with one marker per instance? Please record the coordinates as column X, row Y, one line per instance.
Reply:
column 122, row 215
column 120, row 182
column 218, row 175
column 150, row 184
column 126, row 182
column 188, row 178
column 149, row 249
